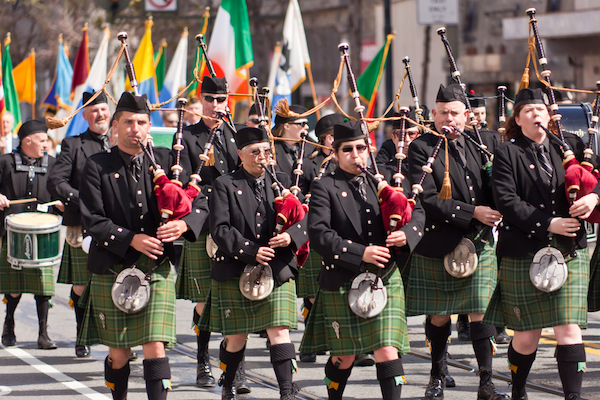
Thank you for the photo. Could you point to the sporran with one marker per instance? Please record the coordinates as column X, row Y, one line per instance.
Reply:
column 131, row 291
column 462, row 261
column 548, row 271
column 256, row 282
column 367, row 296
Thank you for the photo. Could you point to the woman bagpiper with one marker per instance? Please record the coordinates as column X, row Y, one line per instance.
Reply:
column 540, row 227
column 346, row 228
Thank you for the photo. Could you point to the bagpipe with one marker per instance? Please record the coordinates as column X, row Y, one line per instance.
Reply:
column 580, row 179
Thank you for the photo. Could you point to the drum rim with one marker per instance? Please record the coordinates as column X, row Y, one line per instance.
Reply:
column 32, row 228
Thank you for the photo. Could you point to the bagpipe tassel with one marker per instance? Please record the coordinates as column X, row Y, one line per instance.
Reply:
column 446, row 190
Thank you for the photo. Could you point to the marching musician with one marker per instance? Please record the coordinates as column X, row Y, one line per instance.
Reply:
column 64, row 182
column 431, row 290
column 120, row 212
column 194, row 106
column 346, row 228
column 529, row 189
column 387, row 153
column 477, row 102
column 292, row 128
column 193, row 280
column 253, row 121
column 23, row 175
column 242, row 222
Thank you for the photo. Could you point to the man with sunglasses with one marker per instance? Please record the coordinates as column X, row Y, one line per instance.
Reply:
column 387, row 153
column 193, row 280
column 242, row 222
column 466, row 215
column 290, row 130
column 347, row 229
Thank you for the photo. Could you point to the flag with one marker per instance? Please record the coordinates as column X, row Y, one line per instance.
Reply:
column 160, row 65
column 230, row 47
column 59, row 95
column 143, row 65
column 24, row 76
column 175, row 79
column 94, row 82
column 368, row 82
column 11, row 100
column 199, row 62
column 81, row 67
column 290, row 71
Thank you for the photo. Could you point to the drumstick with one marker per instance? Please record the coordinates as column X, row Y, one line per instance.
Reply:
column 21, row 201
column 51, row 203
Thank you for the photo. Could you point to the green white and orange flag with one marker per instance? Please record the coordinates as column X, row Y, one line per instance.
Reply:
column 368, row 82
column 230, row 46
column 199, row 62
column 160, row 64
column 11, row 100
column 24, row 75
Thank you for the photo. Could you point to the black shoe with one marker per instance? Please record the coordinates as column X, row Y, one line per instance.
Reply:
column 489, row 392
column 240, row 382
column 82, row 351
column 573, row 396
column 464, row 333
column 204, row 376
column 132, row 355
column 501, row 336
column 364, row 360
column 228, row 393
column 8, row 333
column 291, row 396
column 308, row 357
column 45, row 343
column 450, row 382
column 435, row 389
column 518, row 396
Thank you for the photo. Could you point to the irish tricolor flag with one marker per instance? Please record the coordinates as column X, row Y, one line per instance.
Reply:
column 230, row 46
column 368, row 82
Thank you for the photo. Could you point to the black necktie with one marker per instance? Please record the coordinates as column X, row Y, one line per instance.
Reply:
column 105, row 143
column 456, row 146
column 545, row 164
column 136, row 168
column 359, row 183
column 258, row 190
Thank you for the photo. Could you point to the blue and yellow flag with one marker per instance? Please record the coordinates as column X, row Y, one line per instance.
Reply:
column 143, row 64
column 59, row 95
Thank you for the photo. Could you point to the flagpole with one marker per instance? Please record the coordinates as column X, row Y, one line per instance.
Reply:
column 33, row 83
column 312, row 87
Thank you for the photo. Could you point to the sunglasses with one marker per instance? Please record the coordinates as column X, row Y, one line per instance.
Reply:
column 257, row 152
column 255, row 120
column 219, row 99
column 359, row 148
column 302, row 124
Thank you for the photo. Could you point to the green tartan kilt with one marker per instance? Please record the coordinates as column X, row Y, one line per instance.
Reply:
column 193, row 280
column 433, row 291
column 38, row 281
column 307, row 284
column 73, row 267
column 105, row 324
column 231, row 313
column 594, row 287
column 517, row 304
column 356, row 335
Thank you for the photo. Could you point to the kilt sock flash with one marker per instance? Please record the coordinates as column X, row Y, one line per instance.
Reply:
column 336, row 380
column 571, row 365
column 520, row 365
column 281, row 358
column 391, row 378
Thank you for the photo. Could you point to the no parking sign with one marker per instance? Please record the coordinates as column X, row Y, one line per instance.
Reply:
column 160, row 5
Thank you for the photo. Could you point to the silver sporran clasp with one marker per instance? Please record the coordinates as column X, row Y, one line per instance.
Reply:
column 548, row 271
column 131, row 290
column 462, row 261
column 256, row 282
column 368, row 295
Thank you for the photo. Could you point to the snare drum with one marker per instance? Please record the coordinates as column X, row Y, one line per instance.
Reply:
column 33, row 240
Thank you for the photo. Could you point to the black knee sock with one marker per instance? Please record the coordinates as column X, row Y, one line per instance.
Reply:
column 79, row 311
column 203, row 340
column 481, row 337
column 229, row 364
column 520, row 365
column 157, row 374
column 116, row 379
column 336, row 380
column 438, row 338
column 281, row 358
column 11, row 305
column 571, row 365
column 391, row 378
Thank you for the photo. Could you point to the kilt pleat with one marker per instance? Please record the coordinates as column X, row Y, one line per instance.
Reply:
column 517, row 304
column 73, row 267
column 307, row 284
column 231, row 313
column 594, row 286
column 38, row 281
column 356, row 335
column 193, row 280
column 433, row 291
column 105, row 324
